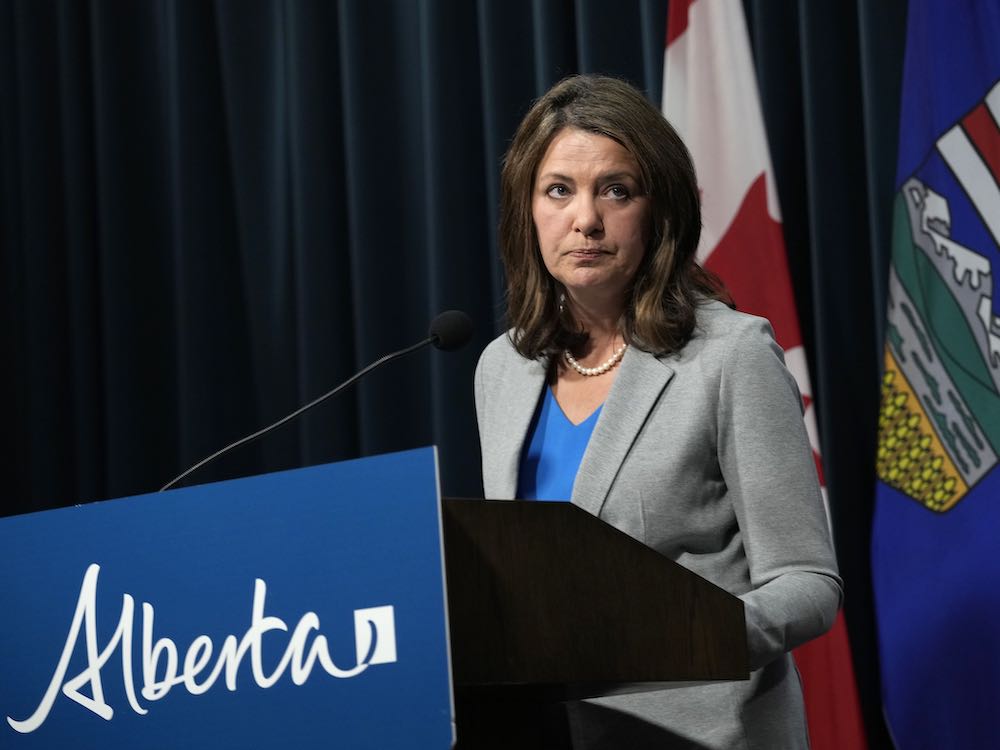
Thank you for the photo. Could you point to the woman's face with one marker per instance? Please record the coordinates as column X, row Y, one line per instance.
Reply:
column 591, row 216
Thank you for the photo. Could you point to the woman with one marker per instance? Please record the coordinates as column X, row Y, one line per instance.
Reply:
column 627, row 385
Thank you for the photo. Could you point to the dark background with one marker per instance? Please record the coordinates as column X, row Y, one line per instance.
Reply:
column 210, row 213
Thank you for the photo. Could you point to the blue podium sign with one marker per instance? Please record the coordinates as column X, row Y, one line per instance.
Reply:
column 301, row 609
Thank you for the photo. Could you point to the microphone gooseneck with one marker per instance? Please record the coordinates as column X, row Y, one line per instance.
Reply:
column 450, row 330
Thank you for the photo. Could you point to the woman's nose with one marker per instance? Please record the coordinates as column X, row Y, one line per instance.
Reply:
column 587, row 219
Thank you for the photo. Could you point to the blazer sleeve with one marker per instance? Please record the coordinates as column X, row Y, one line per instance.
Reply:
column 769, row 469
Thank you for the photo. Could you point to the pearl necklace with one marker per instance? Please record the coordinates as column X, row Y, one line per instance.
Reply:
column 600, row 369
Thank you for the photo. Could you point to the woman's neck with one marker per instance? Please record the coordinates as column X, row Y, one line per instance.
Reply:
column 601, row 322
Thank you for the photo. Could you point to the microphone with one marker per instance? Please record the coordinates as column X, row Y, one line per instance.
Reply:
column 449, row 331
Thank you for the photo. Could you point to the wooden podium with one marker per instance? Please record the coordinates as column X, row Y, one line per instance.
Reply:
column 547, row 603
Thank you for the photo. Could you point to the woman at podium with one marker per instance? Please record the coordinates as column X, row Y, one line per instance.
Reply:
column 628, row 384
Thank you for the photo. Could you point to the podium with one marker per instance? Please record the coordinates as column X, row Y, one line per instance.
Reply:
column 547, row 603
column 309, row 609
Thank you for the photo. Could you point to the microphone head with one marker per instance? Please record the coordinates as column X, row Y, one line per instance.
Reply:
column 451, row 330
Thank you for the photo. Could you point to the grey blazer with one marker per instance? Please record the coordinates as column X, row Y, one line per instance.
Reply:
column 703, row 456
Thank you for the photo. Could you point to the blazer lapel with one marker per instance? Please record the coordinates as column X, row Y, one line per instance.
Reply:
column 521, row 392
column 637, row 388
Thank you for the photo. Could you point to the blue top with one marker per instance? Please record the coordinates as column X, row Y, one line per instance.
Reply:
column 553, row 451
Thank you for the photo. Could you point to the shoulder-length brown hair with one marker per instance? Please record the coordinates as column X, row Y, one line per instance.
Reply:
column 660, row 311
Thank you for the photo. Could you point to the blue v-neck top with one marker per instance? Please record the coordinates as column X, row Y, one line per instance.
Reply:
column 553, row 451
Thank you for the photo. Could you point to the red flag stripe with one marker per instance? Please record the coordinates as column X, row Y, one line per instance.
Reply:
column 985, row 136
column 833, row 713
column 750, row 259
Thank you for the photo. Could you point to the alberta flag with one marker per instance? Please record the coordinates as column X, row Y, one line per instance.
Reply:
column 936, row 536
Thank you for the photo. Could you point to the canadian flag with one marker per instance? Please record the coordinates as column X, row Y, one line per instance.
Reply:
column 710, row 97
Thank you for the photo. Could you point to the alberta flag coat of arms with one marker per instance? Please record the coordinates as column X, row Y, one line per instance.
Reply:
column 939, row 425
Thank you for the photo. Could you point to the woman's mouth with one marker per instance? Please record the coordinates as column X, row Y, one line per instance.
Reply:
column 587, row 253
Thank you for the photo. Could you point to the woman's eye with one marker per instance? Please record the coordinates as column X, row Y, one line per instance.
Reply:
column 618, row 192
column 558, row 191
